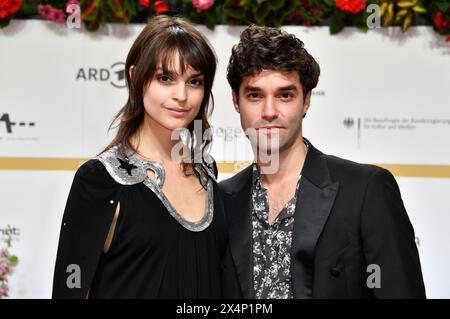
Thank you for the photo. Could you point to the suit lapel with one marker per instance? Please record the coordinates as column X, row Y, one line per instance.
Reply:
column 315, row 198
column 239, row 205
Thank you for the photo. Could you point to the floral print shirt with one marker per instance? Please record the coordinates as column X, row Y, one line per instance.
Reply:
column 271, row 244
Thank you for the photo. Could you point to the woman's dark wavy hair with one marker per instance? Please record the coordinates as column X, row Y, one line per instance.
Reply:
column 157, row 43
column 268, row 48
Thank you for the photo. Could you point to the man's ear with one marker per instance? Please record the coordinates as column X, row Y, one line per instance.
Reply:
column 235, row 101
column 307, row 103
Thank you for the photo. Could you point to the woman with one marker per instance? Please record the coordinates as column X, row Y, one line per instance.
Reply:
column 141, row 221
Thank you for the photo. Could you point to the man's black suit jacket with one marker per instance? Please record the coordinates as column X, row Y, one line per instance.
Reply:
column 348, row 216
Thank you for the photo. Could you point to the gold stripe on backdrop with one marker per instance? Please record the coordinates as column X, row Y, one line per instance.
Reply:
column 40, row 163
column 401, row 170
column 410, row 170
column 71, row 164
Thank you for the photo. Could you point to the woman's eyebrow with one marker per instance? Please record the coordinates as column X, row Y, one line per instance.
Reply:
column 173, row 72
column 194, row 75
column 168, row 70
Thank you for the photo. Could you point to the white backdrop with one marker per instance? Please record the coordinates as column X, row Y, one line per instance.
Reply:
column 382, row 98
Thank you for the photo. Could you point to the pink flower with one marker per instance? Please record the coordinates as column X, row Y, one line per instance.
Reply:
column 44, row 9
column 72, row 2
column 58, row 16
column 68, row 3
column 4, row 290
column 4, row 267
column 203, row 4
column 50, row 13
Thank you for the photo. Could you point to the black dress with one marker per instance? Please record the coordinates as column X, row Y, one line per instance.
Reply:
column 154, row 252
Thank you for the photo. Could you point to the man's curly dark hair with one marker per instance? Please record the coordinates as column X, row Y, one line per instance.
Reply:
column 268, row 48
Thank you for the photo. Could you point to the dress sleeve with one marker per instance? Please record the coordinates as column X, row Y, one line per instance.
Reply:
column 87, row 217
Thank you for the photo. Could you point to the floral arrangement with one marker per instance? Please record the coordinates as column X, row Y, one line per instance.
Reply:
column 441, row 22
column 7, row 262
column 274, row 12
column 337, row 14
column 8, row 9
column 309, row 12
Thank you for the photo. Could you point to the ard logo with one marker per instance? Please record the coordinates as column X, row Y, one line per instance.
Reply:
column 115, row 75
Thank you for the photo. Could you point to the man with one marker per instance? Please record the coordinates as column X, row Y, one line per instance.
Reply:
column 304, row 224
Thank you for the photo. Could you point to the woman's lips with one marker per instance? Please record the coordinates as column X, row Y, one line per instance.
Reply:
column 177, row 112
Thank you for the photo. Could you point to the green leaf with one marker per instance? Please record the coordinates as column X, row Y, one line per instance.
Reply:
column 419, row 9
column 290, row 7
column 336, row 24
column 261, row 12
column 92, row 26
column 363, row 28
column 29, row 7
column 443, row 6
column 406, row 4
column 276, row 4
column 4, row 22
column 210, row 24
column 234, row 12
column 407, row 22
column 13, row 260
column 279, row 19
column 212, row 17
